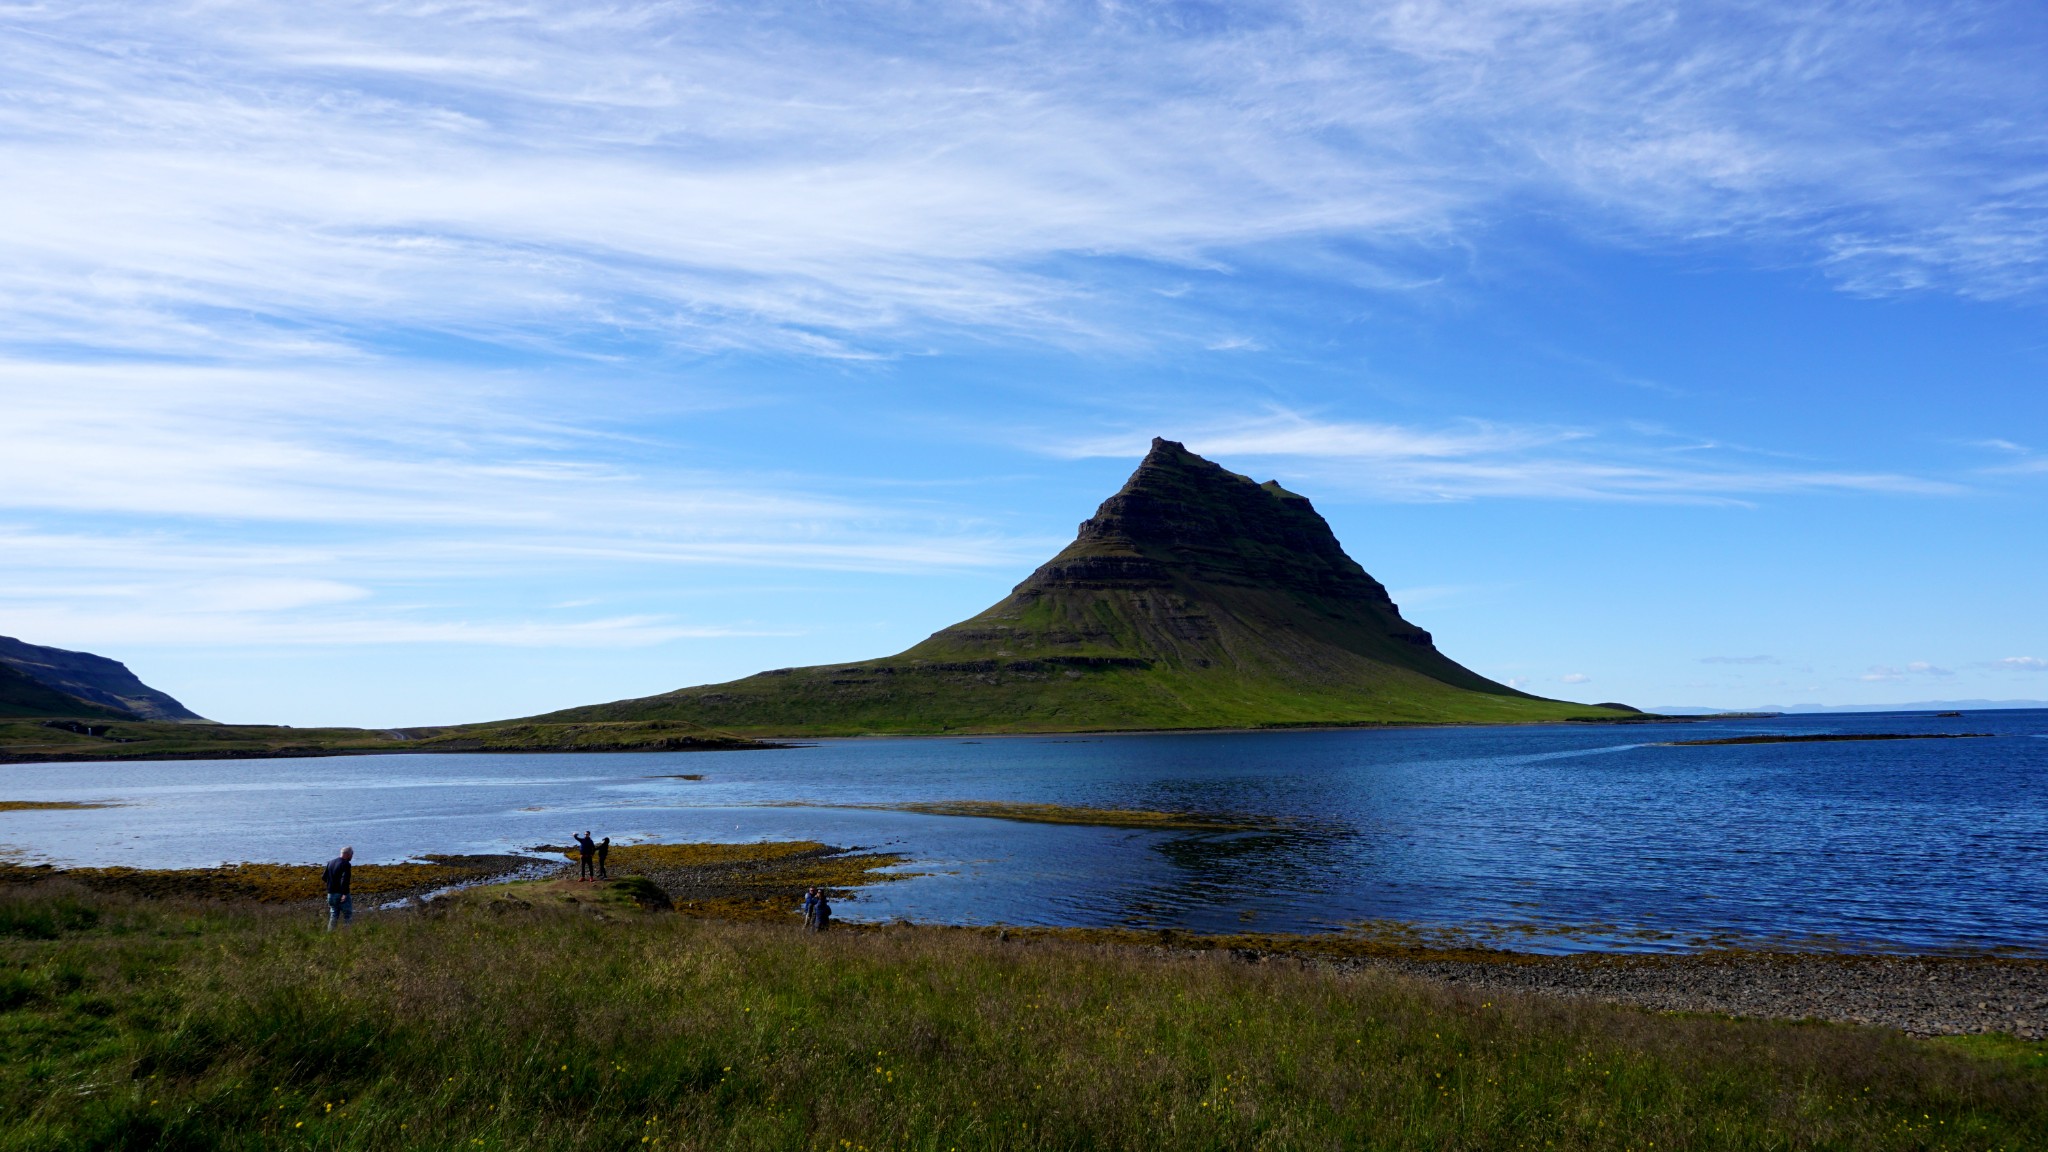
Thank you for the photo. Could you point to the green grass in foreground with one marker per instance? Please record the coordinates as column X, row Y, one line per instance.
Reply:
column 153, row 1025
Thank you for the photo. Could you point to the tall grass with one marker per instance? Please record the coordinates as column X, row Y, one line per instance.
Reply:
column 158, row 1026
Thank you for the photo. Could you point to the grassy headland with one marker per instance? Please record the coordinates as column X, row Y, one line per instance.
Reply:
column 143, row 1024
column 63, row 739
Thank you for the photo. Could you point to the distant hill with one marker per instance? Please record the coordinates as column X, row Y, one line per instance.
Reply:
column 1194, row 598
column 1911, row 706
column 39, row 681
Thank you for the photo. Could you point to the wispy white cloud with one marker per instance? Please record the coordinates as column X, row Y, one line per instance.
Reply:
column 1575, row 678
column 261, row 178
column 1481, row 459
column 2017, row 459
column 221, row 218
column 1885, row 672
column 473, row 457
column 152, row 502
column 2021, row 664
column 233, row 627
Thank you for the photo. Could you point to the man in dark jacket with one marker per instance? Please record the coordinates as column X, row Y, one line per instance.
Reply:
column 604, row 849
column 337, row 877
column 584, row 847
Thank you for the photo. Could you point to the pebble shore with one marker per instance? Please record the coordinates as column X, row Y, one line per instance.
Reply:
column 1925, row 996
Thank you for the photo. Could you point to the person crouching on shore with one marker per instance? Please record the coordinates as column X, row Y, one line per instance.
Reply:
column 336, row 876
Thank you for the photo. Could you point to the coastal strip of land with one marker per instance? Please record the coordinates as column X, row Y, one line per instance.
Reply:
column 65, row 741
column 762, row 882
column 1076, row 814
column 1825, row 738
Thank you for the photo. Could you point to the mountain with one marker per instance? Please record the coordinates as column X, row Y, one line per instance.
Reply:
column 22, row 696
column 39, row 681
column 1194, row 598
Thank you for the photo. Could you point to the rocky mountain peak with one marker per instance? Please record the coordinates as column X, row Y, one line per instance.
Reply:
column 1180, row 515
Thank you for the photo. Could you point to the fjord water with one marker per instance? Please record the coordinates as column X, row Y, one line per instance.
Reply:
column 1550, row 837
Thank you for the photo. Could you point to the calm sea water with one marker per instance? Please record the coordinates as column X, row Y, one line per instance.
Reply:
column 1548, row 837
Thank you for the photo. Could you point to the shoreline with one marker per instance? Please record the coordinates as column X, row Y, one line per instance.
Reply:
column 762, row 742
column 776, row 741
column 1918, row 993
column 1921, row 994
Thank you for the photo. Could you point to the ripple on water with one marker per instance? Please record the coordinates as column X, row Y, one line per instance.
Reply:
column 1558, row 837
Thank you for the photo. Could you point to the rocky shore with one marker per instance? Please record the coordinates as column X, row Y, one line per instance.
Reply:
column 1922, row 995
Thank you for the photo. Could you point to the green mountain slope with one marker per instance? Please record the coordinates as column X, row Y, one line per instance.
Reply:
column 22, row 696
column 1194, row 598
column 95, row 680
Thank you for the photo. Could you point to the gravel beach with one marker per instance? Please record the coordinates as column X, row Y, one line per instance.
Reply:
column 1926, row 996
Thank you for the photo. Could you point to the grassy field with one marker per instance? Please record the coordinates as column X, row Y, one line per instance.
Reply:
column 140, row 1024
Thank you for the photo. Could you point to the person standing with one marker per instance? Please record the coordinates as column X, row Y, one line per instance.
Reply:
column 337, row 877
column 584, row 847
column 604, row 849
column 810, row 909
column 821, row 916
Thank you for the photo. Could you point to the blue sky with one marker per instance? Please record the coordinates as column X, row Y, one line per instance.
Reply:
column 411, row 363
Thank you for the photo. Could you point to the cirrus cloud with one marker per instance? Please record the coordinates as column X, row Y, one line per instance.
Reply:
column 266, row 178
